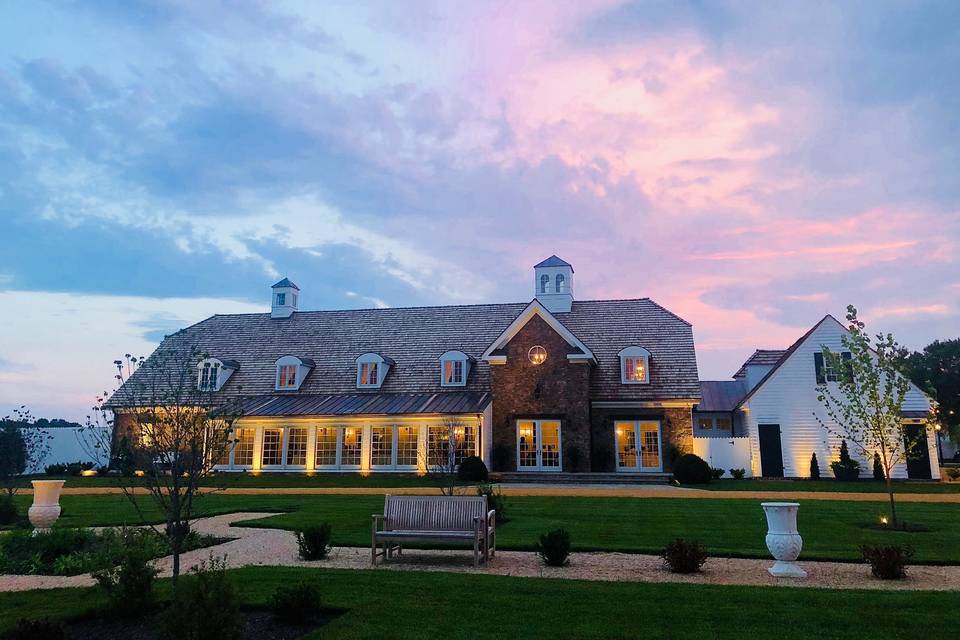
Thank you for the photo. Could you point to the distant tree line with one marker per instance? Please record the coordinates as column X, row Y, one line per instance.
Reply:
column 41, row 423
column 936, row 370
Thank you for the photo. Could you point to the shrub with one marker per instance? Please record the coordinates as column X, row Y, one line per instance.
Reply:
column 738, row 474
column 887, row 562
column 573, row 456
column 472, row 469
column 8, row 510
column 717, row 473
column 953, row 473
column 554, row 547
column 495, row 500
column 27, row 552
column 692, row 469
column 501, row 454
column 878, row 473
column 314, row 541
column 681, row 556
column 207, row 607
column 36, row 630
column 295, row 604
column 814, row 467
column 129, row 585
column 846, row 468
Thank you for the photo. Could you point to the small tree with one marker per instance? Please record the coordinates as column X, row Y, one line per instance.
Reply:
column 24, row 445
column 864, row 405
column 181, row 431
column 446, row 448
column 814, row 467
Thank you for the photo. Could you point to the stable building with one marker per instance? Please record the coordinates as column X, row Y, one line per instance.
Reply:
column 551, row 385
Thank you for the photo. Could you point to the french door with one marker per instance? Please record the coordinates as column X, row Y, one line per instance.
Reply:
column 638, row 445
column 538, row 445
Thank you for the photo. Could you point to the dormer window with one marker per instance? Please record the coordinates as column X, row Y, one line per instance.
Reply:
column 454, row 368
column 634, row 365
column 371, row 370
column 291, row 372
column 208, row 376
column 213, row 373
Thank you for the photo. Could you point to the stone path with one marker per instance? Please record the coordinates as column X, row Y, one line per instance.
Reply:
column 599, row 490
column 274, row 547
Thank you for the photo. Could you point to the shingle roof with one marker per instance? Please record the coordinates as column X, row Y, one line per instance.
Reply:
column 721, row 395
column 767, row 357
column 346, row 404
column 416, row 337
column 553, row 261
column 286, row 282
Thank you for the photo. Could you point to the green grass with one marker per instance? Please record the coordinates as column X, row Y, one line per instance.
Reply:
column 388, row 604
column 862, row 486
column 267, row 480
column 832, row 530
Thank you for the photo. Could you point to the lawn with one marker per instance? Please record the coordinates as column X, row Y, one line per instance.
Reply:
column 389, row 604
column 861, row 486
column 832, row 530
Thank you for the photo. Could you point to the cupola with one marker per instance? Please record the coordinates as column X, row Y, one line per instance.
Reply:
column 284, row 301
column 553, row 282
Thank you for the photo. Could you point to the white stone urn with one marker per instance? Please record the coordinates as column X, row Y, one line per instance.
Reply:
column 46, row 503
column 783, row 539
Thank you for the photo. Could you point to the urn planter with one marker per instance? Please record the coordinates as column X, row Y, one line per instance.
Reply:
column 46, row 503
column 783, row 539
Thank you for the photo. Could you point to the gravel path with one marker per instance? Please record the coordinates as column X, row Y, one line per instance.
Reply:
column 273, row 547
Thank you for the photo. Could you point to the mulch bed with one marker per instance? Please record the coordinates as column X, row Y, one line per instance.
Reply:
column 258, row 625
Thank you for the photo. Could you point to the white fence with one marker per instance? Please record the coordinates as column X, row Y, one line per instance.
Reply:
column 724, row 453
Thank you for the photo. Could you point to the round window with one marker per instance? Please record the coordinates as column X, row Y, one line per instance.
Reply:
column 537, row 354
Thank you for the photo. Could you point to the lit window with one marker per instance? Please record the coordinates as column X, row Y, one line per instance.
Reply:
column 634, row 365
column 287, row 376
column 243, row 447
column 297, row 446
column 438, row 446
column 453, row 372
column 407, row 442
column 368, row 374
column 381, row 446
column 352, row 445
column 326, row 447
column 272, row 449
column 454, row 367
column 705, row 424
column 537, row 354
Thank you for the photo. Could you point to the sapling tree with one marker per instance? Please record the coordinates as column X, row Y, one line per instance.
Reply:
column 446, row 448
column 179, row 429
column 862, row 395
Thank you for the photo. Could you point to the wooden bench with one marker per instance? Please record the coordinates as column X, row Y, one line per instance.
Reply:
column 447, row 519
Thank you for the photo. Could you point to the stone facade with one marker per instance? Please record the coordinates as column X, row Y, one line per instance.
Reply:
column 557, row 389
column 676, row 431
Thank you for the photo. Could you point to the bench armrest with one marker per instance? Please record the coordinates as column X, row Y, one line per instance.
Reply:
column 377, row 520
column 492, row 518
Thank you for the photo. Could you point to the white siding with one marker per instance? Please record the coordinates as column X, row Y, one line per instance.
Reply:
column 789, row 398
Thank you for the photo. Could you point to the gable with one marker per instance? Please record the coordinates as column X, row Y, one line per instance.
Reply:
column 496, row 352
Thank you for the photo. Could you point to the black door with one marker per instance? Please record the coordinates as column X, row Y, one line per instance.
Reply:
column 771, row 455
column 918, row 463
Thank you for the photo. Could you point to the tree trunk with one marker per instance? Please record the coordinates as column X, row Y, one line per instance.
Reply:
column 893, row 505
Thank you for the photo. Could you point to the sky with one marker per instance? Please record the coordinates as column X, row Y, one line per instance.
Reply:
column 751, row 166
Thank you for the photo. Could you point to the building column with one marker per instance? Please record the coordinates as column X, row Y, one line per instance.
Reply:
column 311, row 448
column 257, row 448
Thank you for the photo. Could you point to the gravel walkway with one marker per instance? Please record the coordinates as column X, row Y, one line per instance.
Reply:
column 273, row 547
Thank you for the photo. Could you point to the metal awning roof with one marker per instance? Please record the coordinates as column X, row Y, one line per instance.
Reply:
column 352, row 404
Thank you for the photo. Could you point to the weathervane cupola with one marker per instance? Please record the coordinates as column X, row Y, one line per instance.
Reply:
column 284, row 302
column 553, row 279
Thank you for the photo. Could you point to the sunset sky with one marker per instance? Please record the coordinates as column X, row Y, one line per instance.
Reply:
column 749, row 165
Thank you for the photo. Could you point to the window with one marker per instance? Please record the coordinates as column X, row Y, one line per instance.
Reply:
column 243, row 448
column 465, row 443
column 272, row 449
column 326, row 455
column 561, row 280
column 826, row 371
column 723, row 424
column 351, row 447
column 368, row 374
column 705, row 423
column 297, row 446
column 147, row 435
column 381, row 446
column 438, row 446
column 537, row 355
column 454, row 366
column 634, row 365
column 544, row 283
column 208, row 376
column 287, row 376
column 407, row 441
column 281, row 299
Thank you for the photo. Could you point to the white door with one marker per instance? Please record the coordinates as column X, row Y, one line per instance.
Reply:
column 638, row 445
column 539, row 445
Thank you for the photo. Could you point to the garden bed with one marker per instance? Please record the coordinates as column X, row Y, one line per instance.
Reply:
column 70, row 552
